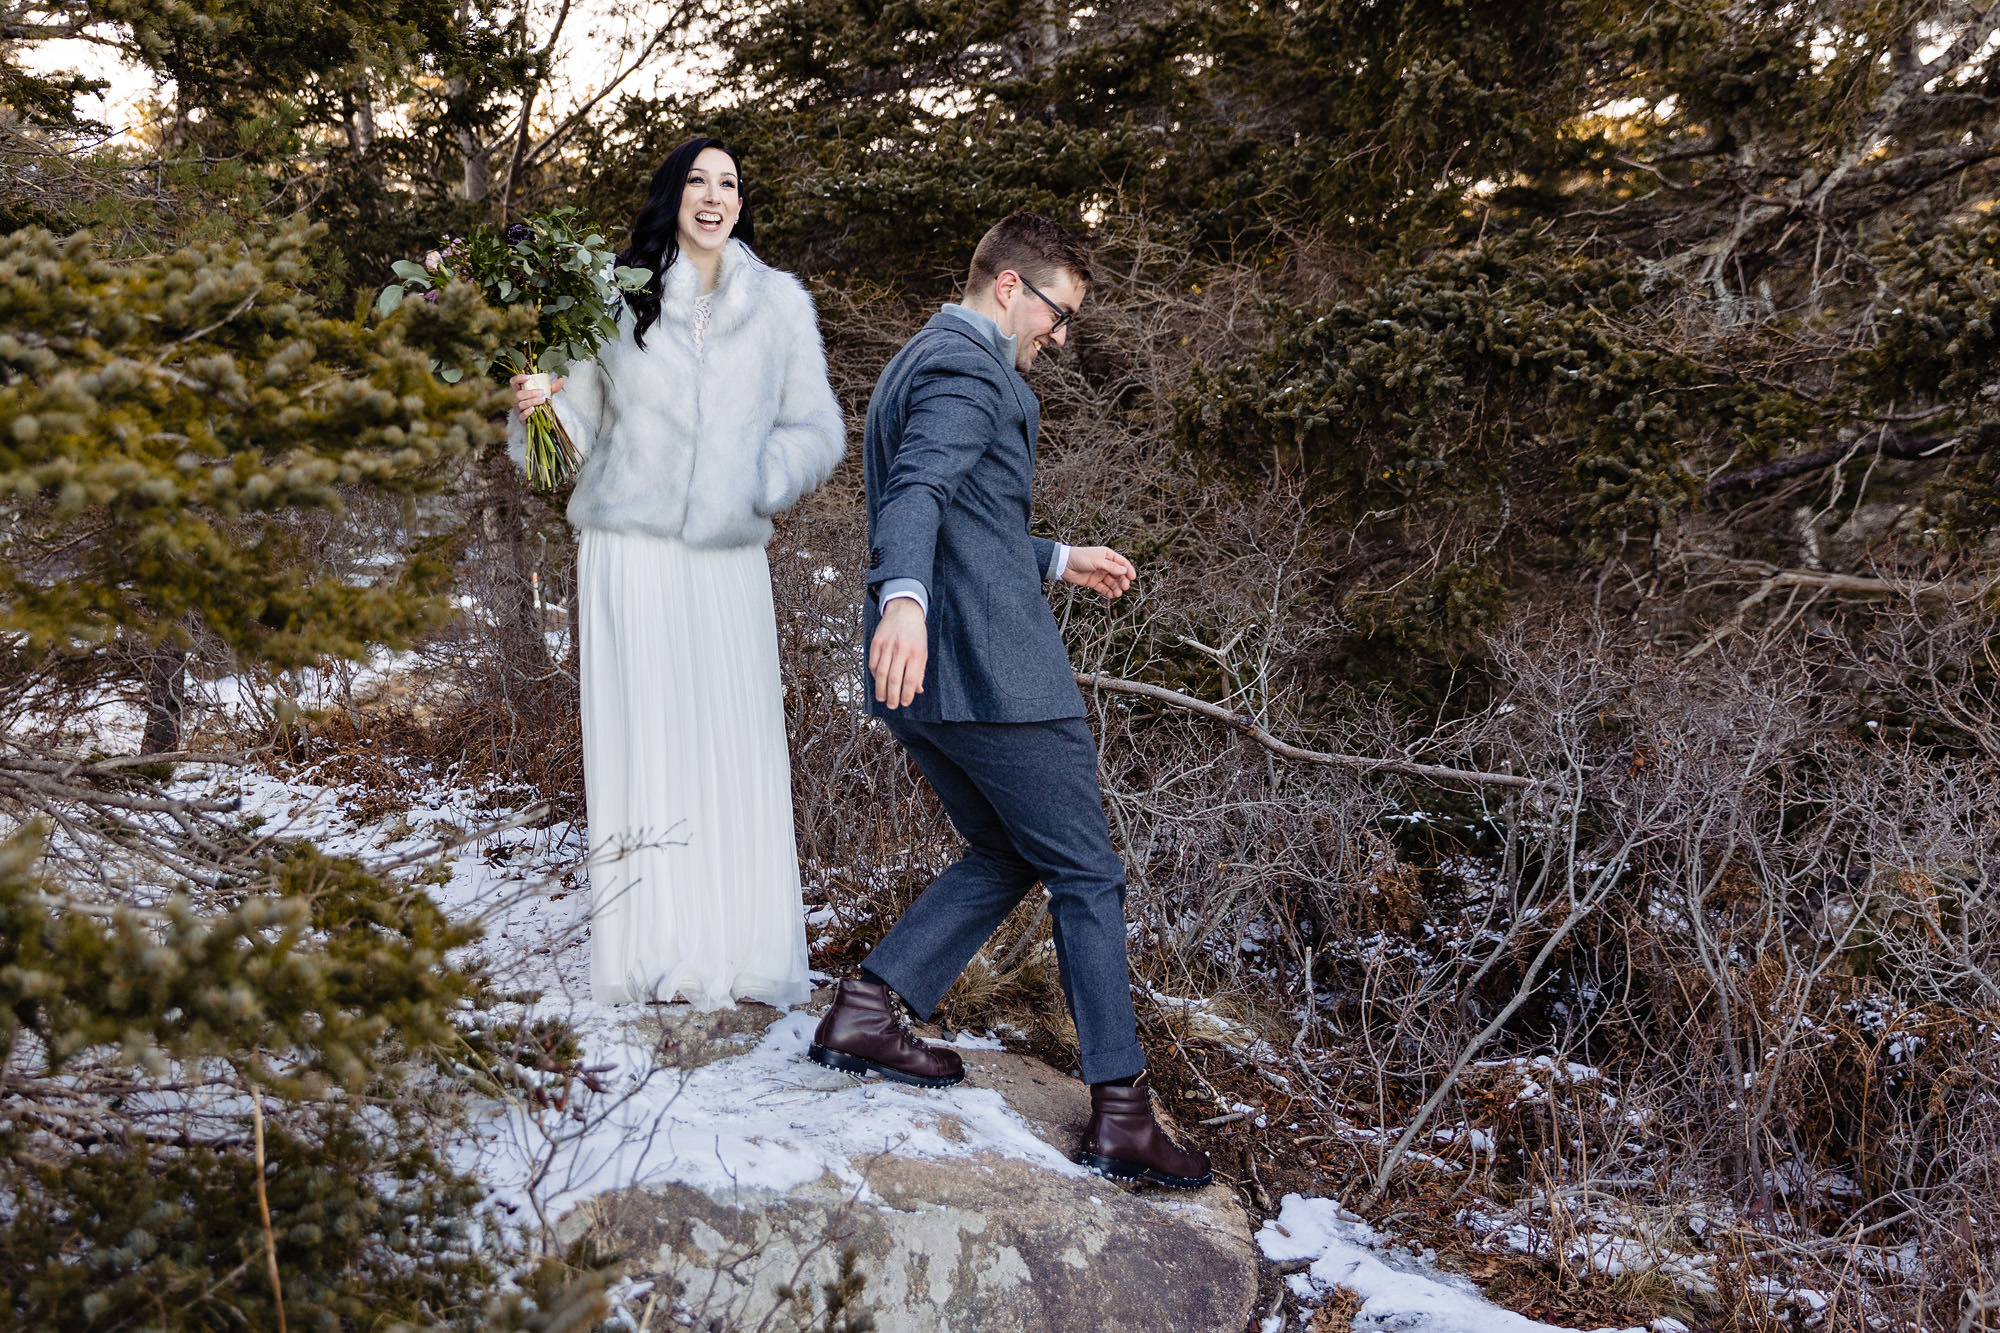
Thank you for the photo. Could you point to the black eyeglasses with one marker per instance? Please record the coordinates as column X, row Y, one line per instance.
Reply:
column 1063, row 317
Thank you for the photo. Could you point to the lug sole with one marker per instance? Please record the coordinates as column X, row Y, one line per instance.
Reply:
column 1113, row 1169
column 854, row 1064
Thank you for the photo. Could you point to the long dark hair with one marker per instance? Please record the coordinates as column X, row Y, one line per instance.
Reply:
column 656, row 228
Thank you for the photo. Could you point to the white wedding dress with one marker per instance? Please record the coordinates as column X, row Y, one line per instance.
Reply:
column 694, row 872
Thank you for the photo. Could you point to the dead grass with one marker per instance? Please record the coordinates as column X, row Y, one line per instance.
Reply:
column 1336, row 1315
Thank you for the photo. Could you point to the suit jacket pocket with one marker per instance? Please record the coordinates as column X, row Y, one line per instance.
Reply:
column 1023, row 650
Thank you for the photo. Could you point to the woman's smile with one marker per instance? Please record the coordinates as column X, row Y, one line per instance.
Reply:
column 711, row 199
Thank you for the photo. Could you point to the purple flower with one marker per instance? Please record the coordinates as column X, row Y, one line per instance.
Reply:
column 518, row 232
column 431, row 296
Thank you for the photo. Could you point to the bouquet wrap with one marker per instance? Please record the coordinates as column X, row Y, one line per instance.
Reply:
column 552, row 455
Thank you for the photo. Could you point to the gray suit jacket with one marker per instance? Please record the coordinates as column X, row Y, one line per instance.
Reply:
column 949, row 457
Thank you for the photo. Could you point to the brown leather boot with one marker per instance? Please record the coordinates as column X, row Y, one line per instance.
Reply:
column 1123, row 1141
column 864, row 1033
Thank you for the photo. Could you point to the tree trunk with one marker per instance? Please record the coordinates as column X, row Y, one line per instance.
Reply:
column 166, row 698
column 516, row 560
column 478, row 171
column 365, row 113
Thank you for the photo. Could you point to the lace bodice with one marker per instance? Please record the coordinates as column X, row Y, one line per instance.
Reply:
column 703, row 305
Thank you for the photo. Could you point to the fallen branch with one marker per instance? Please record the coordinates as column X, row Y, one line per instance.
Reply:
column 1249, row 727
column 1861, row 583
column 28, row 780
column 1891, row 444
column 71, row 767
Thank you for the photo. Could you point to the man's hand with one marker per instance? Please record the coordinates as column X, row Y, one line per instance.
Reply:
column 897, row 657
column 1100, row 569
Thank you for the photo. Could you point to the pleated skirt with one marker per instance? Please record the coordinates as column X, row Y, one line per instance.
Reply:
column 694, row 872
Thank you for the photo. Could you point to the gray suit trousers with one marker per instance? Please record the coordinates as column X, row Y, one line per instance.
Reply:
column 1025, row 798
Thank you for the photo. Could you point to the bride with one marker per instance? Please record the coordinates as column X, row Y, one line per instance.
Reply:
column 709, row 414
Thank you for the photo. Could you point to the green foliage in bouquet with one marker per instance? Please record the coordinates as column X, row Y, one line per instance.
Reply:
column 553, row 264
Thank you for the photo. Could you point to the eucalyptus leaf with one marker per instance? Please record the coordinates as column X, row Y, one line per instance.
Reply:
column 410, row 271
column 391, row 297
column 561, row 271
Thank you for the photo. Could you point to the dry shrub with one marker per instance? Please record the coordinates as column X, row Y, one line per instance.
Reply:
column 490, row 697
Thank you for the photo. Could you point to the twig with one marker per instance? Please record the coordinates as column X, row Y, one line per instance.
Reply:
column 538, row 811
column 97, row 796
column 203, row 332
column 71, row 767
column 1809, row 578
column 264, row 1206
column 1249, row 727
column 576, row 116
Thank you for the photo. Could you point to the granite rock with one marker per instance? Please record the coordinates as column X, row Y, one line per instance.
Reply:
column 978, row 1244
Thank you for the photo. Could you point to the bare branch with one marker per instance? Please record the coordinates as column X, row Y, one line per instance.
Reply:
column 1249, row 727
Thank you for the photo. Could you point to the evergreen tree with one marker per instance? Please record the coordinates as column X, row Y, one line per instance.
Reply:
column 160, row 420
column 166, row 422
column 1607, row 335
column 1618, row 275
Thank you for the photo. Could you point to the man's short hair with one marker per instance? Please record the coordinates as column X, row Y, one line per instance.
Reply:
column 1031, row 245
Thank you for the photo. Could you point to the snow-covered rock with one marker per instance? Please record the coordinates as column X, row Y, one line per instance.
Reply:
column 962, row 1206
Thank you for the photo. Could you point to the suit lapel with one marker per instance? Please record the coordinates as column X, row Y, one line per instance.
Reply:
column 1031, row 407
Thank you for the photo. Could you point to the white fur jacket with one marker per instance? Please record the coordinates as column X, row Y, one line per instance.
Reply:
column 704, row 445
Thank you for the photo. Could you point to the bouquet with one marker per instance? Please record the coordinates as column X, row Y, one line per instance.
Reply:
column 562, row 268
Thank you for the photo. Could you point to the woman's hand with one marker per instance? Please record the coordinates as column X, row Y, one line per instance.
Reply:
column 527, row 400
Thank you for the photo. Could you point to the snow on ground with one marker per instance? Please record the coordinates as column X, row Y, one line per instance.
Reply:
column 1399, row 1290
column 1605, row 1237
column 766, row 1119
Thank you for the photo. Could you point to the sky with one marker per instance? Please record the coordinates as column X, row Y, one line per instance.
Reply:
column 592, row 41
column 119, row 105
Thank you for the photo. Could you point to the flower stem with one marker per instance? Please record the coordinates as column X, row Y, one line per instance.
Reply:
column 552, row 455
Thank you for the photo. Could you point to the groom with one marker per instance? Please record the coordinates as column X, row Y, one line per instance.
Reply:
column 972, row 677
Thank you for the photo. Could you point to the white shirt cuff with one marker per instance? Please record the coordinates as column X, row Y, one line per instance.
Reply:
column 1059, row 562
column 910, row 588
